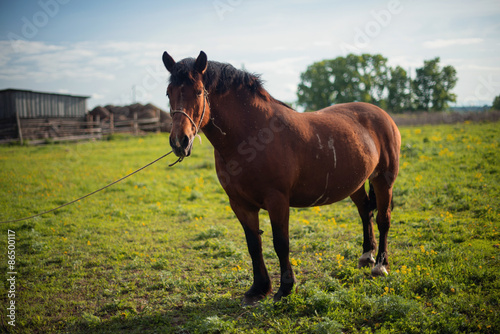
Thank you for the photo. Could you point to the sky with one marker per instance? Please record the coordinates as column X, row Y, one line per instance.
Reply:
column 111, row 50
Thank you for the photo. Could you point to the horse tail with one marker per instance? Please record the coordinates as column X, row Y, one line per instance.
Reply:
column 372, row 200
column 371, row 197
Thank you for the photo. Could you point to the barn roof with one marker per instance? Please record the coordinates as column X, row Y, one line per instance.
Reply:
column 37, row 92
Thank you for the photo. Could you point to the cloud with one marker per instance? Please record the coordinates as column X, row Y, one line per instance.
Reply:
column 444, row 43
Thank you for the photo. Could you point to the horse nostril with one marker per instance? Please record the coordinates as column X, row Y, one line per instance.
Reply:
column 185, row 142
column 172, row 143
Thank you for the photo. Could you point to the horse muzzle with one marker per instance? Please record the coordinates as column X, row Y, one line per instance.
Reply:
column 181, row 146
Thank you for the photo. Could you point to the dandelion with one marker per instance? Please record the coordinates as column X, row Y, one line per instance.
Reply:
column 446, row 152
column 294, row 262
column 424, row 158
column 436, row 138
column 88, row 243
column 452, row 290
column 305, row 221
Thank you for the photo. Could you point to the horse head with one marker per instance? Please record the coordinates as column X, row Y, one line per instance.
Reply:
column 188, row 101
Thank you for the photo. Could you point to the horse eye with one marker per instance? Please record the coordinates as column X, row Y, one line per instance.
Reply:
column 199, row 92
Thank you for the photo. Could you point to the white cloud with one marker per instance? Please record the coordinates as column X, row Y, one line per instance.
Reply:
column 444, row 43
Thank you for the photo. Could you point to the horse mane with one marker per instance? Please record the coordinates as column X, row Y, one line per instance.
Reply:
column 220, row 78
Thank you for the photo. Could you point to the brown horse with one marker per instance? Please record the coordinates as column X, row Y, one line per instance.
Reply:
column 270, row 157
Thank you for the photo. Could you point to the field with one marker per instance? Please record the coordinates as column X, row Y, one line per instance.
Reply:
column 162, row 252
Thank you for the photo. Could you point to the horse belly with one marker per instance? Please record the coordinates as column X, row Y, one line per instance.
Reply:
column 327, row 194
column 333, row 173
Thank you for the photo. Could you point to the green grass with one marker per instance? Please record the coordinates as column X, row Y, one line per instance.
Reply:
column 162, row 252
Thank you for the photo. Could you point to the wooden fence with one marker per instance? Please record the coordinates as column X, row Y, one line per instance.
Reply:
column 431, row 118
column 41, row 130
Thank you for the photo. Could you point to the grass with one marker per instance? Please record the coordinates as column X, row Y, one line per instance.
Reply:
column 162, row 252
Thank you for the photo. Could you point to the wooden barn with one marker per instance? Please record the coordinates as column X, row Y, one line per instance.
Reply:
column 26, row 114
column 46, row 117
column 28, row 104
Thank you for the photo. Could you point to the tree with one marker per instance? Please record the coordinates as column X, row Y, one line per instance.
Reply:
column 433, row 86
column 315, row 89
column 496, row 103
column 399, row 97
column 343, row 79
column 367, row 78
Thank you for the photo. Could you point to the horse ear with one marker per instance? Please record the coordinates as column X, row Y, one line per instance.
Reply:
column 201, row 63
column 168, row 61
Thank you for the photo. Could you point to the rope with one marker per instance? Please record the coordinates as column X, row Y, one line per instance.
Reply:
column 90, row 194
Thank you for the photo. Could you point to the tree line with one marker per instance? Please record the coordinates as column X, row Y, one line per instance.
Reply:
column 368, row 78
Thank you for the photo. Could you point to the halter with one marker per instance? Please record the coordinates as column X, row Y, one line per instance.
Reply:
column 205, row 100
column 182, row 112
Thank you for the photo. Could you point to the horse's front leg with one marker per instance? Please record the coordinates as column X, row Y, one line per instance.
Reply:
column 279, row 212
column 249, row 219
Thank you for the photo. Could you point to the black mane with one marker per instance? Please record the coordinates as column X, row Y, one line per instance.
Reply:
column 220, row 77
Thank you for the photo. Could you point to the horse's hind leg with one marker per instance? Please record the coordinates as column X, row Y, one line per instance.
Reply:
column 383, row 192
column 360, row 198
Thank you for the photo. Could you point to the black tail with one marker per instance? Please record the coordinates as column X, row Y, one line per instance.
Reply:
column 373, row 200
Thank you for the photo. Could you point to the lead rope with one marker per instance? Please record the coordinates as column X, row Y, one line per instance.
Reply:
column 92, row 193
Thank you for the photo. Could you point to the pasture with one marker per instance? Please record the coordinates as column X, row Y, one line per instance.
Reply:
column 162, row 251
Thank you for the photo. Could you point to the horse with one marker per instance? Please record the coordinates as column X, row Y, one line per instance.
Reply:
column 271, row 157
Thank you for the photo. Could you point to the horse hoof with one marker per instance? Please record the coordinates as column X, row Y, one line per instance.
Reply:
column 379, row 270
column 280, row 295
column 366, row 260
column 252, row 300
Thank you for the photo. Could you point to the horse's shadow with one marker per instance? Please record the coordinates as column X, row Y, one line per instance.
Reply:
column 187, row 318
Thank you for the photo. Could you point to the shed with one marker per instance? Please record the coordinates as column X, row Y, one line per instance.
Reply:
column 30, row 104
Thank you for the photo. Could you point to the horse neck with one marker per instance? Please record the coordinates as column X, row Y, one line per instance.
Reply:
column 236, row 116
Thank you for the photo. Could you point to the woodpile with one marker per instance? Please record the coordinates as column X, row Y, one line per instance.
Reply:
column 126, row 113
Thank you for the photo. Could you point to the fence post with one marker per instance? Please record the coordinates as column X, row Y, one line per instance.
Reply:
column 19, row 129
column 111, row 123
column 158, row 123
column 136, row 125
